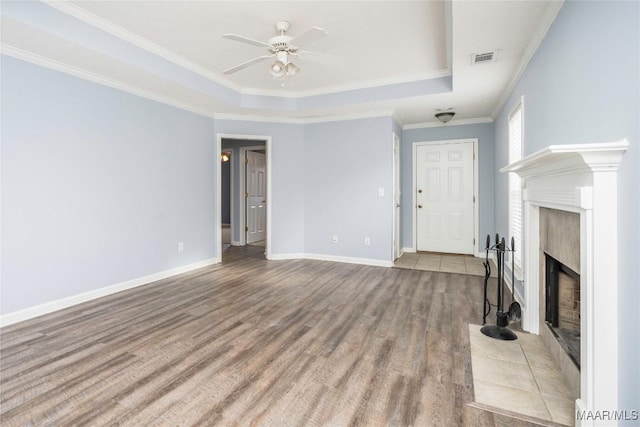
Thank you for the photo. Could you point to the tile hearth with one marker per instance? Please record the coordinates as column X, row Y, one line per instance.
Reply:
column 447, row 263
column 520, row 377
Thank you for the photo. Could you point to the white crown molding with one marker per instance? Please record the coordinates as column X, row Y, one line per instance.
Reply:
column 370, row 84
column 349, row 116
column 53, row 64
column 550, row 13
column 49, row 307
column 304, row 120
column 398, row 120
column 134, row 39
column 451, row 123
column 258, row 118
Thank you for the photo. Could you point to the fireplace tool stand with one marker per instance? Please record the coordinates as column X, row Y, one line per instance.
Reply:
column 500, row 330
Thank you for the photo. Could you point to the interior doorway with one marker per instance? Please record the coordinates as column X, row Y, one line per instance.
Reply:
column 226, row 172
column 244, row 217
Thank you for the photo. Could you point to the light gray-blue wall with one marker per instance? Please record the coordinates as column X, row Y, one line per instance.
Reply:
column 98, row 186
column 345, row 163
column 484, row 133
column 583, row 86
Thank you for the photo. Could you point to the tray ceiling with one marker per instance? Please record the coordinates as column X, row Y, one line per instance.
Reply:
column 408, row 57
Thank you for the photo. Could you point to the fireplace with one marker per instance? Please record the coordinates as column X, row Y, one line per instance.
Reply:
column 562, row 306
column 580, row 179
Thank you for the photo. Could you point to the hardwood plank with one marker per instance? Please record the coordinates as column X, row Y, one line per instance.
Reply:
column 252, row 342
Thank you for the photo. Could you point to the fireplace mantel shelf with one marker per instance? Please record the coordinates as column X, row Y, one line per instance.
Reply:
column 571, row 158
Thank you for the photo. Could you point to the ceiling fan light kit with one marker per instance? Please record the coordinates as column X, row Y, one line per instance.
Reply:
column 282, row 47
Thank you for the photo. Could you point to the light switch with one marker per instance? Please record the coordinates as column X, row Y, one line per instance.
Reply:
column 380, row 192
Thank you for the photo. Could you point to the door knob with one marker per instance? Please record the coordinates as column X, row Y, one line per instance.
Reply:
column 419, row 191
column 419, row 206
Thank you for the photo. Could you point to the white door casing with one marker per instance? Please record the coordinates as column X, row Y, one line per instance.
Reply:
column 396, row 197
column 256, row 186
column 444, row 197
column 259, row 139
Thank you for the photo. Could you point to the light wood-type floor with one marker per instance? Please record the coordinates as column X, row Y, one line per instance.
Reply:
column 253, row 342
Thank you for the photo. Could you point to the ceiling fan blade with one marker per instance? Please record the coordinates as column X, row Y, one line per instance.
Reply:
column 246, row 40
column 247, row 64
column 313, row 34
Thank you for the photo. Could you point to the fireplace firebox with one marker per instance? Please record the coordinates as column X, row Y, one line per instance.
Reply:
column 562, row 305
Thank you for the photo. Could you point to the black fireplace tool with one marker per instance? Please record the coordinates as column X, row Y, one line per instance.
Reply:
column 515, row 311
column 500, row 330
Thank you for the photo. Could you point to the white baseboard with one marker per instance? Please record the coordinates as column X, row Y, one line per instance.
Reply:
column 409, row 250
column 49, row 307
column 236, row 243
column 349, row 260
column 334, row 258
column 279, row 257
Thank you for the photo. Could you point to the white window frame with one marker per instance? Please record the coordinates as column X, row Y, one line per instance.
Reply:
column 515, row 205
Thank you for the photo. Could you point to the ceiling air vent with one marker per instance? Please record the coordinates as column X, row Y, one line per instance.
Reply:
column 484, row 57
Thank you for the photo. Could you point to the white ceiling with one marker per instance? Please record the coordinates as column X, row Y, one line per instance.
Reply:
column 376, row 43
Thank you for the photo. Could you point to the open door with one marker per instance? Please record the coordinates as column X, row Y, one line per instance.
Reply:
column 256, row 194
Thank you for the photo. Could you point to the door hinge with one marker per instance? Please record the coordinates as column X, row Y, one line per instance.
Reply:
column 474, row 156
column 246, row 161
column 246, row 195
column 474, row 242
column 246, row 229
column 474, row 199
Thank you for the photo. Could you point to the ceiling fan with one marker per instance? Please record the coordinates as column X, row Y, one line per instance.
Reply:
column 280, row 47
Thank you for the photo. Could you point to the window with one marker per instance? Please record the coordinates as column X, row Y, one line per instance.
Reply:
column 515, row 184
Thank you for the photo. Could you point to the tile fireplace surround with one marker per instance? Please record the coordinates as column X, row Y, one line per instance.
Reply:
column 580, row 178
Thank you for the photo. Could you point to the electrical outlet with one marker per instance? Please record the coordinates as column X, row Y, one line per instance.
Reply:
column 367, row 241
column 334, row 239
column 180, row 246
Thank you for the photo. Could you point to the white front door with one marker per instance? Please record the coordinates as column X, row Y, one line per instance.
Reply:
column 256, row 196
column 444, row 198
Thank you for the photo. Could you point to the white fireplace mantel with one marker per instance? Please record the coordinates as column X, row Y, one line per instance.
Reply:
column 579, row 178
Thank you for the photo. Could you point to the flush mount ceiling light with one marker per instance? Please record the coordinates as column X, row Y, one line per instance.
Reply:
column 445, row 116
column 282, row 47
